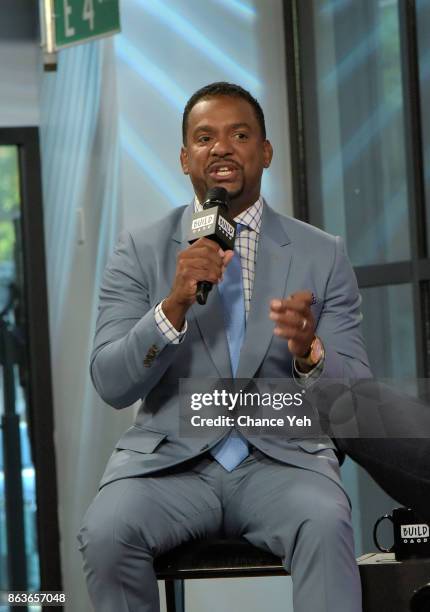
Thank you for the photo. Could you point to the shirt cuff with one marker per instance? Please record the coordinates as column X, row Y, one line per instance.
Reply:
column 166, row 329
column 312, row 375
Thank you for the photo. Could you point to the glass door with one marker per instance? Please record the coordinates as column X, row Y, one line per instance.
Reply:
column 29, row 542
column 18, row 538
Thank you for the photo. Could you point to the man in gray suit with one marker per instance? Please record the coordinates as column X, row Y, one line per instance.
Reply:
column 300, row 308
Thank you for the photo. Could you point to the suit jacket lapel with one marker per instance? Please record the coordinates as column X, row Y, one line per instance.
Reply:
column 209, row 318
column 273, row 262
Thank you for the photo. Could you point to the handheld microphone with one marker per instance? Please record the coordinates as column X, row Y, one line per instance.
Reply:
column 213, row 222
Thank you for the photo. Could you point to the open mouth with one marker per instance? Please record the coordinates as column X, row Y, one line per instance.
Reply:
column 223, row 171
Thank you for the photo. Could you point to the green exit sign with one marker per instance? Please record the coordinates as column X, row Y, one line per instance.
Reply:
column 77, row 21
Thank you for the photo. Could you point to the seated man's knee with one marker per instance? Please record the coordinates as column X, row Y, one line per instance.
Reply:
column 324, row 511
column 97, row 541
column 106, row 538
column 327, row 520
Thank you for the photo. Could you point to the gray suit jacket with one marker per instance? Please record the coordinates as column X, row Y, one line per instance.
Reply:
column 132, row 361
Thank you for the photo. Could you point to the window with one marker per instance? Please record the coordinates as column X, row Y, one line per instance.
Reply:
column 358, row 76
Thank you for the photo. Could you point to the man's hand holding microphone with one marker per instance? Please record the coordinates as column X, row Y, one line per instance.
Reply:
column 203, row 263
column 204, row 260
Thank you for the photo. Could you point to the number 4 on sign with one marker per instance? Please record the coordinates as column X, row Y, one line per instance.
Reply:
column 88, row 13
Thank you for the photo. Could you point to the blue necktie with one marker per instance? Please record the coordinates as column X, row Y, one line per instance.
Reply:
column 233, row 448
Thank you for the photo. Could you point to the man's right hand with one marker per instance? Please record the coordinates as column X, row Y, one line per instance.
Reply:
column 204, row 260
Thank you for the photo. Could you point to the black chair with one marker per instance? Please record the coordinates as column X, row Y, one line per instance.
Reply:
column 212, row 559
column 387, row 585
column 420, row 601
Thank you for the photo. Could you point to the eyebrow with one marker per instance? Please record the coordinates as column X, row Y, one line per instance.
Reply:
column 209, row 128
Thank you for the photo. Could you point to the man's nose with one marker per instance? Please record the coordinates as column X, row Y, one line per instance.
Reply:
column 222, row 146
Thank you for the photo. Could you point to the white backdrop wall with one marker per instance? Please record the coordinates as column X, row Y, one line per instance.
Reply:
column 166, row 51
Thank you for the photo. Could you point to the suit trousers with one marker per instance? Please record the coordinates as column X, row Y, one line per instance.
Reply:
column 297, row 514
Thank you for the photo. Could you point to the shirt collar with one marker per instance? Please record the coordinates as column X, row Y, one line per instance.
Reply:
column 251, row 217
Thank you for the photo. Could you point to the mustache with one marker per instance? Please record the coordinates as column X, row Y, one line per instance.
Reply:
column 220, row 162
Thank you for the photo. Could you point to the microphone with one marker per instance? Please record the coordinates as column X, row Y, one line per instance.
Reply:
column 213, row 222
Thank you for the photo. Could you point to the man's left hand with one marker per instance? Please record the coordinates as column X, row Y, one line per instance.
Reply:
column 294, row 321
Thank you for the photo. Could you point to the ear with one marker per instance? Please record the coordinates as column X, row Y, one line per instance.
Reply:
column 184, row 160
column 267, row 153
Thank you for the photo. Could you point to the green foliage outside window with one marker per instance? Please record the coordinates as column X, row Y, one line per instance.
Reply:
column 9, row 200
